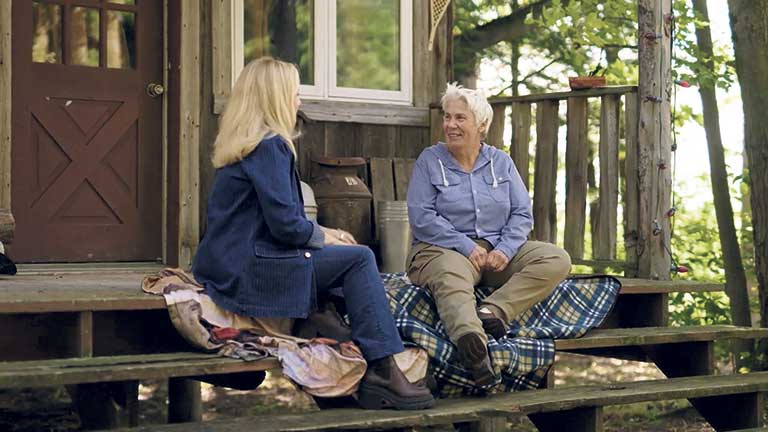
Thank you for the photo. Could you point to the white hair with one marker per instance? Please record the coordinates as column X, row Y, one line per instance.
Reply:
column 476, row 101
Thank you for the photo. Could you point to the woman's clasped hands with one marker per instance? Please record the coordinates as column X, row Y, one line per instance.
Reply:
column 338, row 237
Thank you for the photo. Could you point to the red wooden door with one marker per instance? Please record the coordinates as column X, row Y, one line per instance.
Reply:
column 87, row 154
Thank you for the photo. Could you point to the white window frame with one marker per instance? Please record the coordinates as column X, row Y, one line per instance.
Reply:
column 325, row 87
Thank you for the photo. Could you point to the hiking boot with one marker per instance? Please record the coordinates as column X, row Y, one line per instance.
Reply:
column 492, row 325
column 385, row 386
column 473, row 354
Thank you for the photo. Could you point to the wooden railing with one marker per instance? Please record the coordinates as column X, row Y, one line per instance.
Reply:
column 604, row 210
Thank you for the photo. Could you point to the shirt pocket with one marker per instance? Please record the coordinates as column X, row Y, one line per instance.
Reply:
column 448, row 187
column 499, row 193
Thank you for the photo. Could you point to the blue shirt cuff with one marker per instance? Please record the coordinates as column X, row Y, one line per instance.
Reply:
column 317, row 239
column 466, row 247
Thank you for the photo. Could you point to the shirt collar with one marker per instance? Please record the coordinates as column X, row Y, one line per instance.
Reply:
column 482, row 159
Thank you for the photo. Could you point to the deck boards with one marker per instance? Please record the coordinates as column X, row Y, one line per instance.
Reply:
column 603, row 338
column 99, row 291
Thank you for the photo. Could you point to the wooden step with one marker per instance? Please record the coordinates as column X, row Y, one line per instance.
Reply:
column 557, row 409
column 47, row 373
column 604, row 338
column 121, row 290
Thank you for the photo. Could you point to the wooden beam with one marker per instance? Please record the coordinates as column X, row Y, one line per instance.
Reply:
column 368, row 113
column 5, row 104
column 605, row 226
column 631, row 193
column 221, row 39
column 189, row 148
column 558, row 96
column 576, row 158
column 521, row 140
column 654, row 139
column 544, row 210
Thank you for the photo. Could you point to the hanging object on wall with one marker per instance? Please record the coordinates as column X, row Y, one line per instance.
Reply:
column 437, row 10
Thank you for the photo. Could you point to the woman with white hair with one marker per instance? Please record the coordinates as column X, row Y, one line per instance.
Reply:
column 261, row 257
column 470, row 216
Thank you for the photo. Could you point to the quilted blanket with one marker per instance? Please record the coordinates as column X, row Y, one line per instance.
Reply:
column 524, row 355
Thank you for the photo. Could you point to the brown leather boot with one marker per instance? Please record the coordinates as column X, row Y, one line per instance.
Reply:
column 492, row 325
column 473, row 354
column 385, row 386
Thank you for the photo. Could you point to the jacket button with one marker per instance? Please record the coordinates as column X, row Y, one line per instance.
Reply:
column 307, row 255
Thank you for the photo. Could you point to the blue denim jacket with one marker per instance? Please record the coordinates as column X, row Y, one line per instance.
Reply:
column 448, row 207
column 254, row 258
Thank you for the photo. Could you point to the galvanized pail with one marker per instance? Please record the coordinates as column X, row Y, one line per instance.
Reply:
column 394, row 235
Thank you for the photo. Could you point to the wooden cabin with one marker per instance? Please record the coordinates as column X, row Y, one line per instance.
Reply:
column 109, row 108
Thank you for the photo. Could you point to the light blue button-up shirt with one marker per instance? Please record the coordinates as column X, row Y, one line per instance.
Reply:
column 448, row 206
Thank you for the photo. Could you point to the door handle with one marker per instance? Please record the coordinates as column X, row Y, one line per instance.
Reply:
column 155, row 89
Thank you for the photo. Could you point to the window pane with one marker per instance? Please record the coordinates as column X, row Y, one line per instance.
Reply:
column 368, row 44
column 46, row 33
column 85, row 36
column 283, row 29
column 121, row 40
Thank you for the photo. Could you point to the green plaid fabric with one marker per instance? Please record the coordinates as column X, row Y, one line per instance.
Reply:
column 525, row 354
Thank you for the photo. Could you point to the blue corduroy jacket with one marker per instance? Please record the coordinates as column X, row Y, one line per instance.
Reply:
column 255, row 257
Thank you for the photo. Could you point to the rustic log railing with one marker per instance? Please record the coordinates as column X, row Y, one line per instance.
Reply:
column 612, row 136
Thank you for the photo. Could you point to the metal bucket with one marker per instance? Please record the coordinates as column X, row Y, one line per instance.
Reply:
column 310, row 205
column 394, row 235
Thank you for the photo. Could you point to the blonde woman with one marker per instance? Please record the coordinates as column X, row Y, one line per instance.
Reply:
column 261, row 257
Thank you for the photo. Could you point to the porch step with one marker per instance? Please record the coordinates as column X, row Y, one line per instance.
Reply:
column 121, row 290
column 729, row 402
column 640, row 336
column 47, row 373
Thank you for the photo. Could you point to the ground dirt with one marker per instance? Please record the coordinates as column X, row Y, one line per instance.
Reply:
column 49, row 410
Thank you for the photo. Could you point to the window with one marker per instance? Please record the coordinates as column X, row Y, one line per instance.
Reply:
column 356, row 50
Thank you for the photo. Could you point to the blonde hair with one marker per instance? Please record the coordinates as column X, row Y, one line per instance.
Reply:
column 476, row 102
column 261, row 105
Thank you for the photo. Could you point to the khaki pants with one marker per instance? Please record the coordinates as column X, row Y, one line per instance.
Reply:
column 529, row 278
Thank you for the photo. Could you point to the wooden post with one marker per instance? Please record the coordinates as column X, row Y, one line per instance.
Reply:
column 495, row 136
column 605, row 226
column 631, row 194
column 576, row 158
column 654, row 139
column 521, row 139
column 184, row 401
column 544, row 210
column 5, row 106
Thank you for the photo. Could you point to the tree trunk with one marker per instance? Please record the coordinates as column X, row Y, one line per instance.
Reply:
column 749, row 26
column 735, row 279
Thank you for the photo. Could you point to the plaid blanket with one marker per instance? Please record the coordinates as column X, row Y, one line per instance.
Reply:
column 524, row 356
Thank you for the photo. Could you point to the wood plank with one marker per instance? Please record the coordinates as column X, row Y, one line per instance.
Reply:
column 412, row 141
column 576, row 161
column 495, row 135
column 631, row 193
column 521, row 140
column 654, row 138
column 123, row 368
column 600, row 338
column 604, row 246
column 379, row 140
column 5, row 106
column 435, row 125
column 368, row 113
column 382, row 185
column 558, row 96
column 7, row 226
column 545, row 174
column 647, row 286
column 189, row 148
column 403, row 169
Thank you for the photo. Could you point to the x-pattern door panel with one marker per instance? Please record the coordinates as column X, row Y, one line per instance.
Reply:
column 87, row 156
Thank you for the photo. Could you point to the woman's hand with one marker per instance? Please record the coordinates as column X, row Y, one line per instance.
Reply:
column 496, row 261
column 338, row 237
column 478, row 258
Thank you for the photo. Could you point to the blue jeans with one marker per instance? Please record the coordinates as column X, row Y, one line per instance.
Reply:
column 353, row 268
